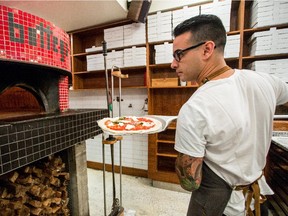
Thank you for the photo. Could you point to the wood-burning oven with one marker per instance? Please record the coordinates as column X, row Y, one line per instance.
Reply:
column 35, row 119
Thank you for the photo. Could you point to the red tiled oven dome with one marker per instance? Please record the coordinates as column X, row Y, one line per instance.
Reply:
column 35, row 60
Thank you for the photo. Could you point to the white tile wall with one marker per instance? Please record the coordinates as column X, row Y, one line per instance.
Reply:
column 134, row 147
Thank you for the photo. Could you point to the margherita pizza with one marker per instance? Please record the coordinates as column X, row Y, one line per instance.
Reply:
column 129, row 124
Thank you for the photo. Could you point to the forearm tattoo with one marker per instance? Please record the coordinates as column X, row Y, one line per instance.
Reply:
column 189, row 171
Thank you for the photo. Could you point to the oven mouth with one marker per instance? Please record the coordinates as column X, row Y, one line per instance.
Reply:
column 29, row 90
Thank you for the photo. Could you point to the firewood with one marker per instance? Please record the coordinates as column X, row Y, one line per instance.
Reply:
column 13, row 176
column 15, row 204
column 46, row 203
column 47, row 210
column 35, row 190
column 55, row 181
column 36, row 211
column 57, row 164
column 38, row 181
column 63, row 176
column 14, row 188
column 56, row 161
column 65, row 211
column 37, row 172
column 21, row 198
column 65, row 203
column 7, row 212
column 58, row 193
column 3, row 192
column 64, row 193
column 35, row 203
column 55, row 209
column 4, row 202
column 47, row 193
column 27, row 169
column 24, row 211
column 25, row 181
column 56, row 200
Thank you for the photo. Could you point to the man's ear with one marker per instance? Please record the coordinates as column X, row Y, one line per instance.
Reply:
column 209, row 48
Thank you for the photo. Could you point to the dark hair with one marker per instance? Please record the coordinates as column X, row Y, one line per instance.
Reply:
column 203, row 28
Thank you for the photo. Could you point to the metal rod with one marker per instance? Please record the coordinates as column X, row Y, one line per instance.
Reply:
column 113, row 172
column 112, row 89
column 104, row 46
column 120, row 143
column 104, row 180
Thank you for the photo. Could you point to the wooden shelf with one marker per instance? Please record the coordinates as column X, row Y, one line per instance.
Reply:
column 160, row 42
column 124, row 69
column 233, row 33
column 167, row 155
column 108, row 50
column 174, row 87
column 160, row 65
column 166, row 141
column 250, row 31
column 88, row 72
column 265, row 57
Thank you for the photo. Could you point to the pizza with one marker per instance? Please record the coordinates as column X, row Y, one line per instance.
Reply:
column 129, row 124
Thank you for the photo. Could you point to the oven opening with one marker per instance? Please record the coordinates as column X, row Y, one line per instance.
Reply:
column 20, row 102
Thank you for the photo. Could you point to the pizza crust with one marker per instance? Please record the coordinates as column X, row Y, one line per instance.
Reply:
column 157, row 127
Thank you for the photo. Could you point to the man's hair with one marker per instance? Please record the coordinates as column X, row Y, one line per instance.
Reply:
column 203, row 27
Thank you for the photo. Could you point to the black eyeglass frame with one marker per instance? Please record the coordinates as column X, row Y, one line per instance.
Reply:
column 179, row 53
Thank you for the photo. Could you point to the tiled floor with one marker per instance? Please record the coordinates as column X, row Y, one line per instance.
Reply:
column 139, row 197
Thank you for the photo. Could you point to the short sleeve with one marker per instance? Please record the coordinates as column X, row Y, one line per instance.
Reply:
column 190, row 138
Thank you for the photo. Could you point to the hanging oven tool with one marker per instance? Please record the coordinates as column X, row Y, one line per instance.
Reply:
column 117, row 210
column 116, row 71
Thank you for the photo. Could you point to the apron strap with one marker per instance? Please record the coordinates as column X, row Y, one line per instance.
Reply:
column 252, row 191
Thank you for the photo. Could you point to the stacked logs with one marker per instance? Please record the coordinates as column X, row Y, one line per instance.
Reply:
column 37, row 189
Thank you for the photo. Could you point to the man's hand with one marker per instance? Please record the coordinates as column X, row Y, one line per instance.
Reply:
column 189, row 171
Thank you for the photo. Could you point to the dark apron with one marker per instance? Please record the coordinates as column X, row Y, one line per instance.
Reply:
column 212, row 196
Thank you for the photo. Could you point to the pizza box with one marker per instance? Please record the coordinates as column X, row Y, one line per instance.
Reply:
column 161, row 124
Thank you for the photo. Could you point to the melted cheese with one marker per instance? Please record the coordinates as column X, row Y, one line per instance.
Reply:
column 129, row 127
column 148, row 124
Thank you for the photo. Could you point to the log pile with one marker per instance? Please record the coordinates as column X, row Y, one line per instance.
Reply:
column 37, row 189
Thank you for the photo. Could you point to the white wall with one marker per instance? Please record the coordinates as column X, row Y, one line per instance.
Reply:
column 134, row 147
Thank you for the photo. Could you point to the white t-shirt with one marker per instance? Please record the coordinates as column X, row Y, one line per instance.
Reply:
column 229, row 123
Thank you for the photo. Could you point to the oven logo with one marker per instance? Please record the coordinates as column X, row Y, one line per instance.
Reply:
column 38, row 36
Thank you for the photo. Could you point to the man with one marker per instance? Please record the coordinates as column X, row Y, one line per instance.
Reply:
column 224, row 130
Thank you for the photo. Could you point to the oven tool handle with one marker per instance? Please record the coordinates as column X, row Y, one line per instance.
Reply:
column 117, row 210
column 109, row 107
column 116, row 71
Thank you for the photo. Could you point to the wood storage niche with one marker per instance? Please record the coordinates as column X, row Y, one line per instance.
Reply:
column 40, row 188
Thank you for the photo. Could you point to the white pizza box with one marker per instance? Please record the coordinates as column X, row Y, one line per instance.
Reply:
column 93, row 49
column 162, row 122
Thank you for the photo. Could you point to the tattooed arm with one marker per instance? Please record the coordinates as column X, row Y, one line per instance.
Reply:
column 189, row 171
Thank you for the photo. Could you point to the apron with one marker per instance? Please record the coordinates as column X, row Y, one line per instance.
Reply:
column 211, row 198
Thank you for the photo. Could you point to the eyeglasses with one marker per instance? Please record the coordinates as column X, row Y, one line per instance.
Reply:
column 179, row 53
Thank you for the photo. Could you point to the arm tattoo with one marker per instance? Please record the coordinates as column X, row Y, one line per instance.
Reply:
column 189, row 171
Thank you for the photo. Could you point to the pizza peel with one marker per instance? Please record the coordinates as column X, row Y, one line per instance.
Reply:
column 161, row 124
